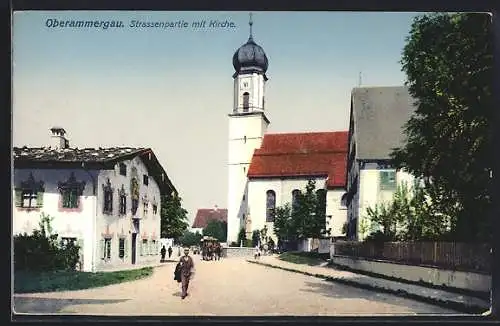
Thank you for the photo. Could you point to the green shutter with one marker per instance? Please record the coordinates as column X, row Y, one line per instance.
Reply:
column 19, row 197
column 103, row 249
column 39, row 199
column 126, row 248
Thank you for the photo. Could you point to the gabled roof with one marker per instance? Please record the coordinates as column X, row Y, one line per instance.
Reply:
column 302, row 155
column 90, row 158
column 205, row 215
column 379, row 114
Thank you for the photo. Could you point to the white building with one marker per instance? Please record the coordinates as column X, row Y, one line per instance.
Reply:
column 377, row 117
column 266, row 169
column 106, row 199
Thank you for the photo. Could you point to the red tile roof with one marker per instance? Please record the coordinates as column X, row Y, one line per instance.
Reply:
column 302, row 154
column 205, row 215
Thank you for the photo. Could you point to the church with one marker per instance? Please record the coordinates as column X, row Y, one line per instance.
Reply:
column 268, row 170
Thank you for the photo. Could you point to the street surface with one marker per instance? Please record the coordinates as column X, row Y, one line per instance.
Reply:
column 230, row 287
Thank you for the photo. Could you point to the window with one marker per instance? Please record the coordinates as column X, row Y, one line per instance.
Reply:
column 30, row 194
column 145, row 205
column 295, row 199
column 71, row 190
column 121, row 248
column 155, row 209
column 321, row 196
column 144, row 247
column 123, row 201
column 134, row 193
column 106, row 249
column 270, row 205
column 65, row 241
column 108, row 198
column 388, row 180
column 246, row 100
column 153, row 247
column 145, row 179
column 123, row 169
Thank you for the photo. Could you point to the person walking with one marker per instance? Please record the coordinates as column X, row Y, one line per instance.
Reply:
column 187, row 266
column 163, row 252
column 169, row 252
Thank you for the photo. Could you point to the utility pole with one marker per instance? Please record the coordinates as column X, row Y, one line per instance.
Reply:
column 359, row 79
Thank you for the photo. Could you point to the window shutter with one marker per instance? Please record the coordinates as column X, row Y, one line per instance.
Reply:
column 141, row 248
column 19, row 197
column 103, row 249
column 39, row 199
column 126, row 248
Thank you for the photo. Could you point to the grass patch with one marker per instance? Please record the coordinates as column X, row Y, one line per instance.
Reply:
column 304, row 258
column 30, row 282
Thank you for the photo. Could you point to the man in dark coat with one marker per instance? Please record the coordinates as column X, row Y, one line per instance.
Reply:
column 163, row 252
column 169, row 252
column 187, row 266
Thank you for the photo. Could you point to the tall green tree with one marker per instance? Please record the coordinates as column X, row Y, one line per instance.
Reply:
column 448, row 62
column 190, row 238
column 173, row 217
column 282, row 225
column 309, row 216
column 216, row 229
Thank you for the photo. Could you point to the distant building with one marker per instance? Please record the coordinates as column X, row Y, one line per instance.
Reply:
column 377, row 117
column 266, row 170
column 106, row 199
column 205, row 215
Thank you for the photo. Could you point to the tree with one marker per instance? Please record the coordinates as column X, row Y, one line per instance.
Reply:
column 190, row 238
column 408, row 216
column 255, row 238
column 309, row 219
column 173, row 217
column 282, row 225
column 448, row 61
column 216, row 229
column 242, row 237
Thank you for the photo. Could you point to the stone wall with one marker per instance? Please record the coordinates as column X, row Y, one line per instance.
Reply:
column 229, row 252
column 434, row 276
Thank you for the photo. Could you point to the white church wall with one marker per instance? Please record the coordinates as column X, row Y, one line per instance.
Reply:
column 337, row 212
column 67, row 223
column 121, row 227
column 257, row 189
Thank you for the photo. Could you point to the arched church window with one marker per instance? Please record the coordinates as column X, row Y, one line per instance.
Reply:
column 270, row 205
column 321, row 197
column 295, row 199
column 246, row 101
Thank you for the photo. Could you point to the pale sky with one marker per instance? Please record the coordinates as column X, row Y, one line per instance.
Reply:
column 171, row 89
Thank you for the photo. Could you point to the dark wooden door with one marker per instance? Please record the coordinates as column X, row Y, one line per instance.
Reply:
column 134, row 246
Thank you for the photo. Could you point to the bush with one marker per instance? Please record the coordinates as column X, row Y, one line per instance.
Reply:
column 40, row 251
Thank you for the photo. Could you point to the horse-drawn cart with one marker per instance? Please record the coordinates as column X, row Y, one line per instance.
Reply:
column 210, row 248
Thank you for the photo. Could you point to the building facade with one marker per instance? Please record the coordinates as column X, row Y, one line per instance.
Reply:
column 107, row 200
column 377, row 117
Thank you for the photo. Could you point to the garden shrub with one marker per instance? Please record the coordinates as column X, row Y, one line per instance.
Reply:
column 41, row 251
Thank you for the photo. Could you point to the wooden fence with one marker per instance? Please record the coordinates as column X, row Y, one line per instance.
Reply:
column 449, row 255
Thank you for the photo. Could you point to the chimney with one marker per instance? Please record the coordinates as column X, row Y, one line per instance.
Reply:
column 58, row 139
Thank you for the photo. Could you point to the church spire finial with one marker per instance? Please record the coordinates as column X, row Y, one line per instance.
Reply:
column 250, row 22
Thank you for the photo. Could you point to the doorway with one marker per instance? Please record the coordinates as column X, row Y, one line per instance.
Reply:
column 134, row 246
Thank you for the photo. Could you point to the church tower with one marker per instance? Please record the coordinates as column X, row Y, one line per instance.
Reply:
column 247, row 126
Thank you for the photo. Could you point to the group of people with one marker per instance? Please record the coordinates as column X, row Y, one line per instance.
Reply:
column 163, row 253
column 211, row 251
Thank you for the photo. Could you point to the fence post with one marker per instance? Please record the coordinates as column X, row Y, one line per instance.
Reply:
column 434, row 254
